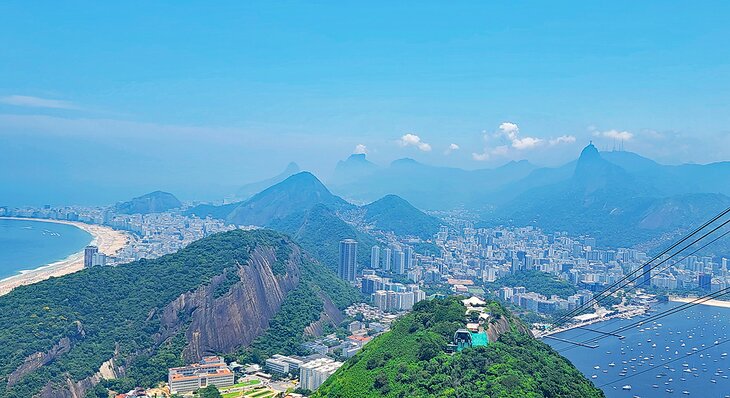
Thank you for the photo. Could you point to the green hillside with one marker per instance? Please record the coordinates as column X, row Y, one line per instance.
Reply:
column 394, row 214
column 153, row 202
column 319, row 231
column 409, row 361
column 297, row 193
column 76, row 322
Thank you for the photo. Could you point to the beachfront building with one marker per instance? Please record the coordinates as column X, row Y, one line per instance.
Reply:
column 210, row 370
column 89, row 253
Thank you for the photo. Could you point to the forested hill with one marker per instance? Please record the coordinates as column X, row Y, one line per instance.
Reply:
column 409, row 361
column 392, row 213
column 218, row 295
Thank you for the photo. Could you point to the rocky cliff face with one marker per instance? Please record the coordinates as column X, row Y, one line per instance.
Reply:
column 239, row 315
column 36, row 360
column 498, row 327
column 330, row 316
column 221, row 316
column 78, row 389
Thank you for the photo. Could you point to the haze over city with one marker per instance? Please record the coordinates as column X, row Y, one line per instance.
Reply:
column 165, row 100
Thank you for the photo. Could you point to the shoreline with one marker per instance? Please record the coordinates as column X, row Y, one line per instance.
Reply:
column 711, row 303
column 627, row 314
column 109, row 241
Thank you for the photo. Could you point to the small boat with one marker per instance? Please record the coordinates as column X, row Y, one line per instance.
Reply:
column 626, row 387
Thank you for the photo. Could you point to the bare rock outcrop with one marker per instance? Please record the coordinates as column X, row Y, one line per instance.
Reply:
column 36, row 360
column 498, row 327
column 330, row 316
column 236, row 318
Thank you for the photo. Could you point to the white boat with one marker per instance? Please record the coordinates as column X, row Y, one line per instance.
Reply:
column 626, row 387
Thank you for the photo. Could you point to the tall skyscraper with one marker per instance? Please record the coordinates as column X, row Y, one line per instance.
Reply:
column 89, row 253
column 348, row 260
column 387, row 259
column 705, row 281
column 646, row 278
column 375, row 257
column 399, row 262
column 409, row 257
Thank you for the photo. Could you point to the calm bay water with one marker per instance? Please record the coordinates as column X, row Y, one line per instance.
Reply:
column 27, row 245
column 663, row 344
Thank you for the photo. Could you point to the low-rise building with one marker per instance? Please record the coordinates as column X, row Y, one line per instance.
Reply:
column 283, row 365
column 210, row 370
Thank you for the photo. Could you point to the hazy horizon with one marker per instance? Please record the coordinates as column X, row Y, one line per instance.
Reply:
column 101, row 103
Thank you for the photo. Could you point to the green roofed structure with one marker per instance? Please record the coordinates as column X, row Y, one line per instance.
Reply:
column 465, row 339
column 479, row 339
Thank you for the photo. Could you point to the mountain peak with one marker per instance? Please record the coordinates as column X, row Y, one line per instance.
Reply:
column 303, row 176
column 296, row 194
column 153, row 202
column 357, row 157
column 589, row 152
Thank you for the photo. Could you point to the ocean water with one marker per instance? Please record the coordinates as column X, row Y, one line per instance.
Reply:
column 664, row 344
column 26, row 245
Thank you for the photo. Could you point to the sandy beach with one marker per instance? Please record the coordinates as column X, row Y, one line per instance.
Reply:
column 714, row 303
column 108, row 240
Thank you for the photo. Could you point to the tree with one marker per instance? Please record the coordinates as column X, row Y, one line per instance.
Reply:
column 209, row 392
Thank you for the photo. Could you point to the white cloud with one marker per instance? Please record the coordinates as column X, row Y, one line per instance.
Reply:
column 451, row 148
column 36, row 102
column 360, row 149
column 414, row 140
column 563, row 139
column 509, row 130
column 617, row 135
column 480, row 156
column 526, row 143
column 612, row 134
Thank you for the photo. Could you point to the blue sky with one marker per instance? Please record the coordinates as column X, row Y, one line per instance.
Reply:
column 198, row 98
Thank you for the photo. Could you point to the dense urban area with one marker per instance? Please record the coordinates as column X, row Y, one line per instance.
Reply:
column 540, row 277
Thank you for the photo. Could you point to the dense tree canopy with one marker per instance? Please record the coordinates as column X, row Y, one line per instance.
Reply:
column 409, row 361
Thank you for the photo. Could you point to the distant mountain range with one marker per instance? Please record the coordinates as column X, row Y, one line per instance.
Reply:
column 304, row 208
column 153, row 202
column 619, row 198
column 427, row 187
column 445, row 188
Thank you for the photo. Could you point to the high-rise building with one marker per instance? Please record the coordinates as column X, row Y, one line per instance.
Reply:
column 387, row 259
column 399, row 262
column 89, row 253
column 646, row 278
column 375, row 257
column 380, row 299
column 409, row 257
column 313, row 374
column 348, row 260
column 705, row 281
column 98, row 260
